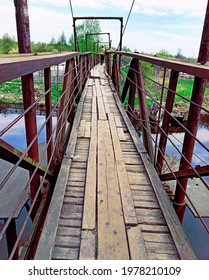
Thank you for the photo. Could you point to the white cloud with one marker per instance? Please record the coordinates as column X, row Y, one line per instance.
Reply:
column 48, row 18
column 45, row 25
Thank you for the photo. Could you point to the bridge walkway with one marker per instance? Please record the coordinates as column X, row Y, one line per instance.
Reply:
column 108, row 201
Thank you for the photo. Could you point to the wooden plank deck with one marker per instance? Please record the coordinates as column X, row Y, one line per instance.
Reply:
column 108, row 201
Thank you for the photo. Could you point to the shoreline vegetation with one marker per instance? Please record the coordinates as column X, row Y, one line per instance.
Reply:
column 11, row 93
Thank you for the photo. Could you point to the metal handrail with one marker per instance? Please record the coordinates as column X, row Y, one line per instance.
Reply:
column 15, row 66
column 197, row 70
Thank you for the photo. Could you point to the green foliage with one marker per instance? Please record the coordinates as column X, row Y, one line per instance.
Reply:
column 87, row 27
column 165, row 53
column 8, row 44
column 11, row 91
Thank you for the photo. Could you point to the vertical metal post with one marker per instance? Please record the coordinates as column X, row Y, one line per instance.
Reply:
column 204, row 46
column 86, row 40
column 63, row 112
column 146, row 131
column 166, row 118
column 48, row 102
column 23, row 33
column 116, row 73
column 23, row 26
column 121, row 34
column 72, row 91
column 193, row 121
column 189, row 142
column 11, row 237
column 131, row 98
column 127, row 81
column 75, row 35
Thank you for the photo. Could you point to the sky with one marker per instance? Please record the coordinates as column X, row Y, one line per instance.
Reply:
column 153, row 24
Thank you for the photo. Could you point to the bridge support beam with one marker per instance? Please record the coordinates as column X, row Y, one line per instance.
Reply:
column 23, row 34
column 166, row 119
column 193, row 121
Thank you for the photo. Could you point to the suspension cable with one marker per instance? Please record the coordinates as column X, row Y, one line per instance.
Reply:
column 71, row 8
column 124, row 29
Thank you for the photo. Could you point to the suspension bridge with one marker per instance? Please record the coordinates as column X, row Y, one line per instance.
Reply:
column 95, row 189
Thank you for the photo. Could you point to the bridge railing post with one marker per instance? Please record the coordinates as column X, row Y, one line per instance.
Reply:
column 166, row 119
column 135, row 83
column 108, row 64
column 23, row 34
column 193, row 120
column 66, row 105
column 189, row 142
column 48, row 104
column 144, row 116
column 116, row 73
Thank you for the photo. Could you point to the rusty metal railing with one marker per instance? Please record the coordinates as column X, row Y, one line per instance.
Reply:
column 159, row 121
column 40, row 162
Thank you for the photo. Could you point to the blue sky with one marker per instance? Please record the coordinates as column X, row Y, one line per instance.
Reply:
column 153, row 25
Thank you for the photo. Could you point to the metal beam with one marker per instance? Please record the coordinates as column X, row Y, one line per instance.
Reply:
column 12, row 155
column 15, row 66
column 98, row 18
column 186, row 173
column 194, row 69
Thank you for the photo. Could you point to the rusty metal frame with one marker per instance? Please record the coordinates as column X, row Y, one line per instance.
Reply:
column 100, row 33
column 97, row 18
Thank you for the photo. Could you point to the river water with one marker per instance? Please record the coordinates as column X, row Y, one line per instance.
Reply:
column 197, row 235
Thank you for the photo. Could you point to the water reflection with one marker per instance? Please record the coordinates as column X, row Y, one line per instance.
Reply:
column 197, row 235
column 16, row 137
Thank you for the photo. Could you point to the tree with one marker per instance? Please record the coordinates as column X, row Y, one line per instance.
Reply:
column 164, row 52
column 179, row 54
column 87, row 27
column 62, row 43
column 7, row 44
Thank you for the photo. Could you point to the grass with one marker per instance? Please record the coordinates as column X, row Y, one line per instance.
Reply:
column 11, row 92
column 184, row 88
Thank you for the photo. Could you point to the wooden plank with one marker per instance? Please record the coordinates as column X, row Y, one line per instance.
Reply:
column 102, row 82
column 88, row 130
column 182, row 244
column 89, row 213
column 131, row 161
column 88, row 245
column 138, row 179
column 46, row 242
column 121, row 134
column 105, row 245
column 106, row 104
column 101, row 108
column 73, row 200
column 158, row 237
column 138, row 199
column 63, row 253
column 90, row 82
column 126, row 196
column 136, row 244
column 68, row 231
column 148, row 204
column 118, row 122
column 110, row 218
column 70, row 222
column 160, row 248
column 153, row 256
column 140, row 187
column 67, row 241
column 77, row 177
column 155, row 228
column 75, row 184
column 81, row 130
column 100, row 102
